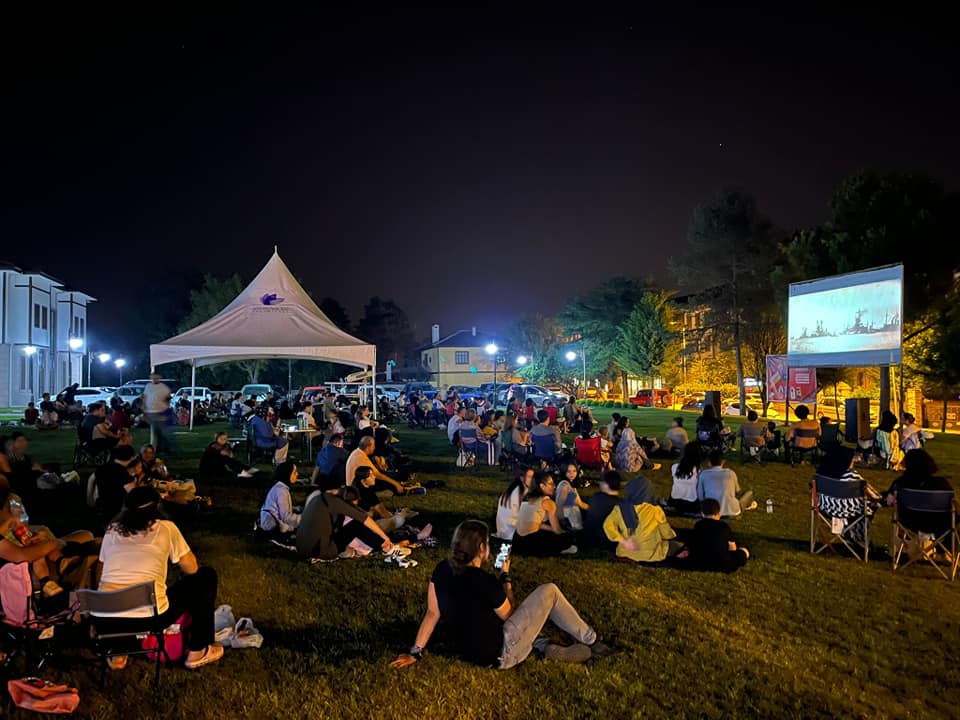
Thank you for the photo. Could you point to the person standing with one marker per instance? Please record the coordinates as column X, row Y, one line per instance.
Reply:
column 156, row 406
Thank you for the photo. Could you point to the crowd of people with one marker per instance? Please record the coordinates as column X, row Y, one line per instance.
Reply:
column 358, row 472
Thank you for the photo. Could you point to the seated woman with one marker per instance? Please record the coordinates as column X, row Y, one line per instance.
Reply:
column 686, row 477
column 364, row 420
column 487, row 627
column 568, row 501
column 676, row 438
column 888, row 441
column 277, row 518
column 20, row 542
column 837, row 464
column 709, row 427
column 324, row 533
column 31, row 415
column 911, row 435
column 920, row 473
column 508, row 509
column 640, row 529
column 136, row 549
column 390, row 459
column 266, row 436
column 153, row 467
column 218, row 457
column 630, row 457
column 539, row 533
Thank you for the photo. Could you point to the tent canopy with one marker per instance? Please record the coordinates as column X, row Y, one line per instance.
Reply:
column 272, row 318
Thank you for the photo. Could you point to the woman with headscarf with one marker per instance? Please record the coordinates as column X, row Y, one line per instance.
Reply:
column 640, row 528
column 630, row 457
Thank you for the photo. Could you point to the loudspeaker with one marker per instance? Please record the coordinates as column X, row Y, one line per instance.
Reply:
column 712, row 397
column 857, row 419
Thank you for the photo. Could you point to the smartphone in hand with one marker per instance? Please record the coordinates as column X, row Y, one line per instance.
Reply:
column 502, row 556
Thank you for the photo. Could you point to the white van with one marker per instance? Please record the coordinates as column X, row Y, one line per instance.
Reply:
column 259, row 391
column 200, row 394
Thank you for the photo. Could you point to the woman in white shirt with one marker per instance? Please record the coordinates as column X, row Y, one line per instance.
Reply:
column 508, row 510
column 135, row 550
column 686, row 474
column 910, row 434
column 277, row 516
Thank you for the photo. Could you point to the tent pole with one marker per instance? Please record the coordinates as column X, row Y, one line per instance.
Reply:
column 373, row 384
column 153, row 433
column 193, row 388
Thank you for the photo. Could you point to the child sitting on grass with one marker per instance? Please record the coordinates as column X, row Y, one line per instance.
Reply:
column 711, row 543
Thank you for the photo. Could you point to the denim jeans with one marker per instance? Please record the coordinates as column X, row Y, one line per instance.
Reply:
column 521, row 631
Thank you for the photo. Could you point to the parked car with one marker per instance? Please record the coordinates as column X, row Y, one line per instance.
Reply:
column 837, row 412
column 652, row 397
column 260, row 391
column 200, row 394
column 537, row 393
column 693, row 402
column 90, row 395
column 390, row 390
column 466, row 392
column 734, row 409
column 174, row 385
column 419, row 388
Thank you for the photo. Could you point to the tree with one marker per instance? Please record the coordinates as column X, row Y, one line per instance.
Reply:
column 386, row 325
column 932, row 353
column 538, row 339
column 597, row 318
column 336, row 313
column 642, row 341
column 212, row 297
column 763, row 335
column 727, row 262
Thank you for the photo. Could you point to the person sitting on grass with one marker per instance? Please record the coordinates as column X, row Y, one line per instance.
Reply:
column 135, row 549
column 508, row 509
column 721, row 484
column 277, row 517
column 361, row 458
column 640, row 529
column 324, row 533
column 31, row 415
column 686, row 475
column 112, row 479
column 711, row 546
column 539, row 532
column 630, row 456
column 487, row 626
column 551, row 433
column 218, row 456
column 529, row 413
column 571, row 415
column 676, row 438
column 153, row 467
column 568, row 500
column 37, row 546
column 331, row 468
column 599, row 507
column 368, row 500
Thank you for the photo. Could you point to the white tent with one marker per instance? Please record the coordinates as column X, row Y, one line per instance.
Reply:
column 272, row 318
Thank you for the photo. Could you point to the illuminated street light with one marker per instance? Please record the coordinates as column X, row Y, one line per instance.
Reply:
column 492, row 349
column 521, row 360
column 29, row 350
column 119, row 363
column 571, row 355
column 103, row 357
column 75, row 343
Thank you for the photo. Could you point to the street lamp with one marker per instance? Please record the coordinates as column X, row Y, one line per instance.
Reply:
column 30, row 351
column 492, row 349
column 571, row 356
column 102, row 357
column 74, row 343
column 119, row 363
column 521, row 359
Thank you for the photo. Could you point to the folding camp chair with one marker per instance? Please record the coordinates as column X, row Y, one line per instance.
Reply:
column 799, row 453
column 926, row 520
column 469, row 445
column 26, row 623
column 841, row 506
column 753, row 442
column 587, row 451
column 887, row 447
column 544, row 448
column 107, row 633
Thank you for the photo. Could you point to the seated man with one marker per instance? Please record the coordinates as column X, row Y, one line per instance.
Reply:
column 753, row 434
column 323, row 533
column 676, row 438
column 361, row 458
column 31, row 414
column 218, row 456
column 545, row 437
column 808, row 439
column 331, row 463
column 308, row 420
column 711, row 544
column 49, row 417
column 721, row 484
column 113, row 478
column 266, row 436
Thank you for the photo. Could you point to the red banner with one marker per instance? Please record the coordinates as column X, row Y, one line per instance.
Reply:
column 802, row 386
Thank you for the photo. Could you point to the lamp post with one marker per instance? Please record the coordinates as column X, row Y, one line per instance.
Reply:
column 75, row 344
column 30, row 351
column 119, row 363
column 492, row 349
column 571, row 356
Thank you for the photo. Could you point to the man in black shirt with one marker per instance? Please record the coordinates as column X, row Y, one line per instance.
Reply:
column 600, row 505
column 711, row 544
column 322, row 533
column 112, row 478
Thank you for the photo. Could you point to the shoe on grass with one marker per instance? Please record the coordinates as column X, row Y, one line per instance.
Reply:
column 117, row 662
column 572, row 550
column 248, row 473
column 751, row 506
column 211, row 654
column 600, row 649
column 576, row 653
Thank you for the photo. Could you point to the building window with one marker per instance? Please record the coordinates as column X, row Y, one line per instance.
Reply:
column 44, row 318
column 36, row 315
column 83, row 328
column 461, row 357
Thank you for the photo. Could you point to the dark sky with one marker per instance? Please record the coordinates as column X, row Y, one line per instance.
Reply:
column 471, row 166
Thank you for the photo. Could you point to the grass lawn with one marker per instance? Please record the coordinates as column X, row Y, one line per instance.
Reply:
column 790, row 635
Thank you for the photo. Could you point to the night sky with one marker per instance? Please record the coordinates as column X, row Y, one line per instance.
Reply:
column 471, row 167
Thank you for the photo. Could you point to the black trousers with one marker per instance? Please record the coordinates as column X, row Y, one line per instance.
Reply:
column 356, row 529
column 195, row 594
column 543, row 543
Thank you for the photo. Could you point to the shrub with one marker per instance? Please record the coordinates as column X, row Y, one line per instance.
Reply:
column 610, row 404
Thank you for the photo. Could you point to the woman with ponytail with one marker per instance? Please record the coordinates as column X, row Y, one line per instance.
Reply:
column 486, row 625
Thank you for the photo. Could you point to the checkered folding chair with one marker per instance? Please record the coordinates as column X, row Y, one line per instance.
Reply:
column 926, row 520
column 838, row 512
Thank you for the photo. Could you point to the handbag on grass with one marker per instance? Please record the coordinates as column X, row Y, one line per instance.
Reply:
column 43, row 696
column 174, row 640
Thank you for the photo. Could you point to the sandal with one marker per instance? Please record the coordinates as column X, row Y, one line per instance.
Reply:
column 117, row 662
column 210, row 655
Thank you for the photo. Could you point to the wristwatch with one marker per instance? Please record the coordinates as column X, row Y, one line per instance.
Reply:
column 417, row 652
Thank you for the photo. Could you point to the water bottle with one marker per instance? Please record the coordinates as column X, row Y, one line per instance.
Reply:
column 769, row 505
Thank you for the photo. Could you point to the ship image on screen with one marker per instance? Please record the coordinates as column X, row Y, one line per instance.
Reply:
column 850, row 319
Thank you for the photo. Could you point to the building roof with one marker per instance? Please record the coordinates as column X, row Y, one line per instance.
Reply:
column 462, row 338
column 6, row 265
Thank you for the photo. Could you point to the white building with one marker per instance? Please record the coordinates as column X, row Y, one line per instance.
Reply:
column 38, row 320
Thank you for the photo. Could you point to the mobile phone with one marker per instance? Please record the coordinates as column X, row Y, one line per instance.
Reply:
column 502, row 556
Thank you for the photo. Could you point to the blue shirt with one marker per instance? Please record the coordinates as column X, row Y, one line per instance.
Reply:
column 262, row 433
column 329, row 457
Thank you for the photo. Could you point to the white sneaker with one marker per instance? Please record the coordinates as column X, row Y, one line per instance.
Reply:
column 247, row 473
column 397, row 554
column 572, row 550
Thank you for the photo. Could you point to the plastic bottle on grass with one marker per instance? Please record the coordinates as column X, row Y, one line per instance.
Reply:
column 769, row 505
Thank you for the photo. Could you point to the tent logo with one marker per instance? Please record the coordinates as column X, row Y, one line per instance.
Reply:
column 271, row 299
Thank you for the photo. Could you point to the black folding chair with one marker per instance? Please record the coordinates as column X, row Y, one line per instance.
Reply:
column 799, row 453
column 926, row 520
column 840, row 506
column 107, row 632
column 753, row 442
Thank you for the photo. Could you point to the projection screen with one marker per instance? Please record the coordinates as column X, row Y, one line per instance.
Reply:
column 852, row 319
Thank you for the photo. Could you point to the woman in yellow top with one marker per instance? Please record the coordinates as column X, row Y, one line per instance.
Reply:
column 640, row 529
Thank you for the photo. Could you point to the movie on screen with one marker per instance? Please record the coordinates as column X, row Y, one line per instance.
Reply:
column 853, row 319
